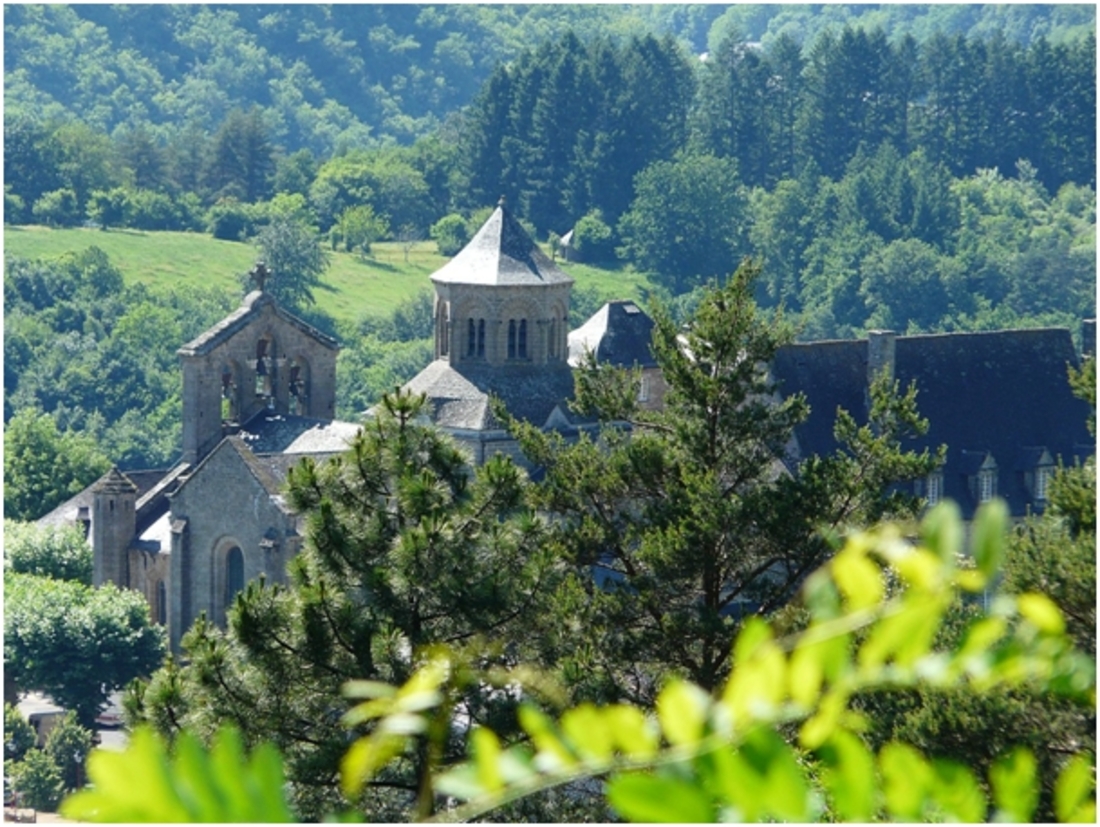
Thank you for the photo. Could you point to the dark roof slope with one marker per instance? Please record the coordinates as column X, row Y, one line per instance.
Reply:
column 1003, row 392
column 461, row 400
column 501, row 253
column 240, row 318
column 619, row 334
column 269, row 432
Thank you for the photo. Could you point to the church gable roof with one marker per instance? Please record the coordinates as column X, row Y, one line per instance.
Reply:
column 251, row 308
column 233, row 449
column 501, row 253
column 269, row 432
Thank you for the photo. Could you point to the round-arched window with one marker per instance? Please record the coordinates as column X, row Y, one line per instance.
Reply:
column 234, row 574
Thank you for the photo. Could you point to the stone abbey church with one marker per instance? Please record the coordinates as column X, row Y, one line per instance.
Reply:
column 259, row 394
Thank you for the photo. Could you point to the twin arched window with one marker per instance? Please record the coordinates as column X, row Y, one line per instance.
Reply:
column 475, row 336
column 517, row 339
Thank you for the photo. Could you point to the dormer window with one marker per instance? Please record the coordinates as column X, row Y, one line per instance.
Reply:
column 987, row 484
column 933, row 488
column 1042, row 481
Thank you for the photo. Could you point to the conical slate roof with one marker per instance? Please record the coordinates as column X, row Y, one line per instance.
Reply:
column 501, row 253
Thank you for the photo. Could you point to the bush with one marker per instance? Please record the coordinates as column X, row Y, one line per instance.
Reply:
column 19, row 736
column 230, row 220
column 107, row 207
column 593, row 239
column 69, row 744
column 58, row 208
column 150, row 210
column 38, row 780
column 58, row 552
column 450, row 234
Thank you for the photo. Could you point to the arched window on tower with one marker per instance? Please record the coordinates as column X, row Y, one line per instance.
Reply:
column 162, row 604
column 229, row 394
column 234, row 574
column 264, row 366
column 471, row 338
column 298, row 386
column 511, row 338
column 552, row 339
column 522, row 348
column 481, row 338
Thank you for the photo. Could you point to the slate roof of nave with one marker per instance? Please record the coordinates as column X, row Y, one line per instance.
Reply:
column 240, row 318
column 461, row 399
column 501, row 254
column 1001, row 392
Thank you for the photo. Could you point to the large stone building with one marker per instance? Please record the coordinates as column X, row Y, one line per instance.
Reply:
column 259, row 394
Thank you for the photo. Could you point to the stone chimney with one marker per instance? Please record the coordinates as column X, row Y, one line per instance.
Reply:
column 881, row 345
column 1088, row 337
column 113, row 524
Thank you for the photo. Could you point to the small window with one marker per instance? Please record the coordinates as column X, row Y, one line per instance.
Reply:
column 471, row 338
column 1042, row 480
column 934, row 486
column 987, row 485
column 481, row 338
column 511, row 338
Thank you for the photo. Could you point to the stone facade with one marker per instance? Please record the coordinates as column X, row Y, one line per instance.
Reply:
column 259, row 358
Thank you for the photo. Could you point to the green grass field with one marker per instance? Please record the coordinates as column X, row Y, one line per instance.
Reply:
column 353, row 287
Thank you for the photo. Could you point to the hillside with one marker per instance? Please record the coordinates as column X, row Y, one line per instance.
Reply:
column 354, row 286
column 329, row 77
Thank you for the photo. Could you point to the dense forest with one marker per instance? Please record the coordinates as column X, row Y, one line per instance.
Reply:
column 923, row 168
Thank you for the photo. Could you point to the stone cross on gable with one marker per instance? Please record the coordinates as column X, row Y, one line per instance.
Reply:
column 260, row 274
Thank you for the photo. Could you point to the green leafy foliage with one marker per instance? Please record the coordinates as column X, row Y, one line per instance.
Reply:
column 293, row 254
column 37, row 781
column 62, row 553
column 19, row 736
column 69, row 744
column 147, row 783
column 75, row 643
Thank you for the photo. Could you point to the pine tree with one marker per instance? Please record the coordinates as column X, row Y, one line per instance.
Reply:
column 406, row 547
column 689, row 521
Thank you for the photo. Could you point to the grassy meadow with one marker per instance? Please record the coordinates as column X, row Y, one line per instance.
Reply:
column 354, row 286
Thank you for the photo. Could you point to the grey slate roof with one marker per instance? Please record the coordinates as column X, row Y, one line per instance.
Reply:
column 66, row 513
column 501, row 253
column 1002, row 392
column 236, row 321
column 461, row 400
column 619, row 334
column 269, row 432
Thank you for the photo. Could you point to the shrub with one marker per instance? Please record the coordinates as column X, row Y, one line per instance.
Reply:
column 230, row 220
column 19, row 736
column 58, row 208
column 69, row 744
column 593, row 239
column 38, row 780
column 450, row 234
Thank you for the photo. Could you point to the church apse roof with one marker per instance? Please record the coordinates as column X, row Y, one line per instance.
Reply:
column 501, row 254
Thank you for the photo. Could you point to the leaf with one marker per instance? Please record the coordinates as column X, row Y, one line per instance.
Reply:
column 633, row 734
column 957, row 792
column 587, row 729
column 1015, row 788
column 1073, row 800
column 486, row 750
column 942, row 530
column 988, row 532
column 365, row 757
column 682, row 711
column 552, row 754
column 1042, row 612
column 906, row 777
column 859, row 580
column 645, row 798
column 849, row 776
